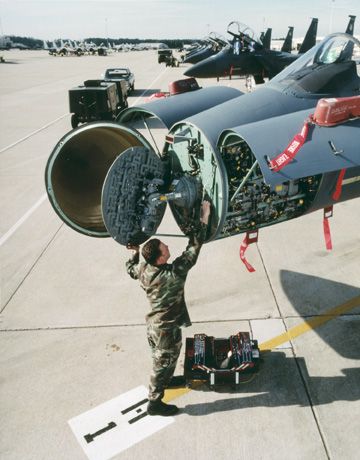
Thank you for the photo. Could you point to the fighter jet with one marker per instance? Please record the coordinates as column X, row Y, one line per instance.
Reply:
column 90, row 48
column 285, row 150
column 247, row 56
column 200, row 46
column 78, row 48
column 210, row 46
column 67, row 48
column 53, row 48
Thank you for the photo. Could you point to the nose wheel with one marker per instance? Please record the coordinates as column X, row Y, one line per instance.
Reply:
column 133, row 176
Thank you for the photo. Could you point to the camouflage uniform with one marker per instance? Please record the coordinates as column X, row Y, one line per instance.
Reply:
column 164, row 287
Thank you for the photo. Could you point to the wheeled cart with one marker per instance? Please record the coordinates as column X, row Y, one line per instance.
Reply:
column 96, row 100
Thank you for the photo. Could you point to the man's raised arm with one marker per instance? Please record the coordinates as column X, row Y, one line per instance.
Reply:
column 188, row 258
column 132, row 265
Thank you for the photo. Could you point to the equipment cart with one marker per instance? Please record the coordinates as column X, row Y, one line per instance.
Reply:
column 96, row 100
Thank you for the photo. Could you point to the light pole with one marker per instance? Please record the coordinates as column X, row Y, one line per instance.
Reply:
column 331, row 16
column 106, row 31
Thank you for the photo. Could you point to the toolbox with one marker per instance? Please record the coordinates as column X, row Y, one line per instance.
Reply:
column 221, row 361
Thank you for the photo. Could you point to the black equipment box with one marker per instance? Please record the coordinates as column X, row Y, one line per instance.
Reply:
column 220, row 361
column 95, row 100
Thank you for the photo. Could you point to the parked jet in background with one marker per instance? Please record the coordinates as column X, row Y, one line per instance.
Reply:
column 247, row 56
column 77, row 48
column 211, row 45
column 68, row 48
column 51, row 47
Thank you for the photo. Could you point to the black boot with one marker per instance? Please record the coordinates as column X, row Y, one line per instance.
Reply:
column 160, row 408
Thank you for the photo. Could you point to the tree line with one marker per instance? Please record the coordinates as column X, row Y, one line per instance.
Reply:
column 35, row 43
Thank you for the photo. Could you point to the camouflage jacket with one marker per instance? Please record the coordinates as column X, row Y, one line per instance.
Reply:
column 164, row 284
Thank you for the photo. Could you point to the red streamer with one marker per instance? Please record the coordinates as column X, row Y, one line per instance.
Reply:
column 328, row 212
column 338, row 188
column 280, row 161
column 250, row 237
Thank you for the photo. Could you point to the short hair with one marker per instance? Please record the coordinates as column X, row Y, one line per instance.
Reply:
column 151, row 251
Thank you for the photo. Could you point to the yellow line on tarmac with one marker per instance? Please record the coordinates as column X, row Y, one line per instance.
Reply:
column 310, row 324
column 296, row 331
column 173, row 393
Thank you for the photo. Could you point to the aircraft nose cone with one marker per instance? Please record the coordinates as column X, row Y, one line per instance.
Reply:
column 187, row 60
column 193, row 59
column 189, row 72
column 202, row 70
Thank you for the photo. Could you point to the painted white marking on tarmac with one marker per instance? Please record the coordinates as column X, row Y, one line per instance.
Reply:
column 116, row 425
column 34, row 132
column 13, row 229
column 149, row 87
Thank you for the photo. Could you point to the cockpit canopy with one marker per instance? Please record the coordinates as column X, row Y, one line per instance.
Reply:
column 217, row 38
column 330, row 66
column 242, row 31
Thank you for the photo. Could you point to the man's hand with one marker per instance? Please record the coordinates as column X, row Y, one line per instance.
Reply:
column 205, row 212
column 133, row 247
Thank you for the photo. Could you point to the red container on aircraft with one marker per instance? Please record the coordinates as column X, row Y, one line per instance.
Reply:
column 183, row 86
column 332, row 111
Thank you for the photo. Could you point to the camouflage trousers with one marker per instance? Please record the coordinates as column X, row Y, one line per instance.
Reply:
column 165, row 347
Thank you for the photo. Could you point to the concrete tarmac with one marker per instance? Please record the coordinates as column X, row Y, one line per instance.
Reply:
column 72, row 326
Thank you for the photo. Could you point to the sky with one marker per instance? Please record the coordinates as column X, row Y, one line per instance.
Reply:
column 156, row 19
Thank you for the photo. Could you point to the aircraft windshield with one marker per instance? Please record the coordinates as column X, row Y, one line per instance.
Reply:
column 213, row 36
column 237, row 29
column 117, row 73
column 216, row 41
column 322, row 68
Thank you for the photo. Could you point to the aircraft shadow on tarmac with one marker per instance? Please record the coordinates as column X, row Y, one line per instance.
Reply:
column 313, row 296
column 280, row 382
column 284, row 380
column 138, row 92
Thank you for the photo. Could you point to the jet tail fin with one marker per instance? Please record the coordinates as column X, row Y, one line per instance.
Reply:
column 266, row 41
column 287, row 45
column 350, row 27
column 310, row 37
